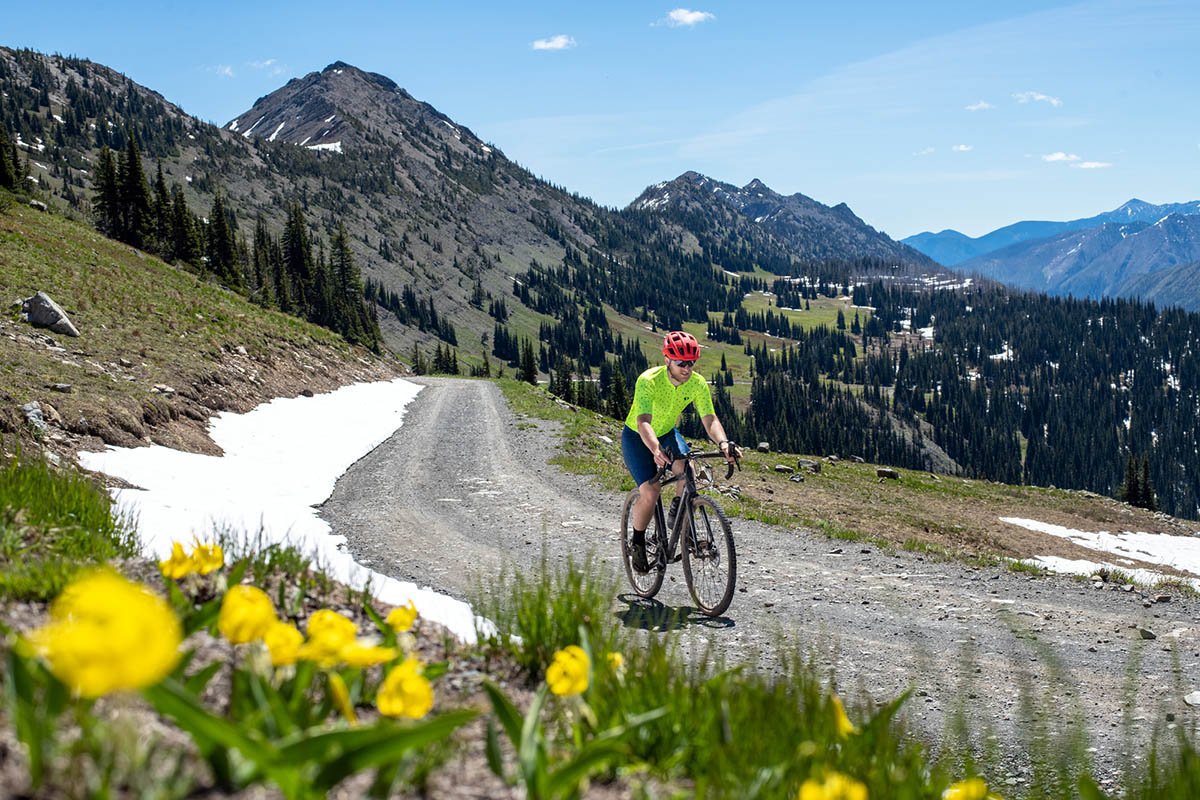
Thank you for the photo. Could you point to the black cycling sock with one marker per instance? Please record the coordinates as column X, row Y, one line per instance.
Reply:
column 639, row 538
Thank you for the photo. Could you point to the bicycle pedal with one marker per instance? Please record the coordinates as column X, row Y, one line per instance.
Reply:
column 675, row 559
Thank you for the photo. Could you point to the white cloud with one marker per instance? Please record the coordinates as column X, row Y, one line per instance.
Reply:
column 1093, row 165
column 982, row 105
column 223, row 70
column 1060, row 156
column 924, row 152
column 963, row 148
column 683, row 17
column 560, row 42
column 270, row 65
column 1036, row 97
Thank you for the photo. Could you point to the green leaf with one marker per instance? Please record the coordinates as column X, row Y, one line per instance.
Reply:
column 494, row 760
column 202, row 617
column 173, row 700
column 1088, row 790
column 436, row 669
column 390, row 749
column 594, row 755
column 379, row 621
column 238, row 572
column 30, row 726
column 505, row 711
column 197, row 682
column 529, row 754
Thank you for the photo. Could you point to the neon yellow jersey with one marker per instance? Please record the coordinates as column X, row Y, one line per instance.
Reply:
column 664, row 401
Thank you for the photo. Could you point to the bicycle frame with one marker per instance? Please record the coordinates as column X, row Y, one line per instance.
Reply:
column 668, row 552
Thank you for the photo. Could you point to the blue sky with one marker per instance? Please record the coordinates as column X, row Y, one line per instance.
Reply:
column 920, row 116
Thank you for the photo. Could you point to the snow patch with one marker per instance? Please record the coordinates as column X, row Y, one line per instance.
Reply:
column 334, row 146
column 1178, row 552
column 271, row 138
column 268, row 481
column 255, row 125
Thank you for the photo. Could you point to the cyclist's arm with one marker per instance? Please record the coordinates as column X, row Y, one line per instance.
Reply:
column 646, row 431
column 716, row 432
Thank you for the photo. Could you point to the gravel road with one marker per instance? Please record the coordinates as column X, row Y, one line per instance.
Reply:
column 463, row 487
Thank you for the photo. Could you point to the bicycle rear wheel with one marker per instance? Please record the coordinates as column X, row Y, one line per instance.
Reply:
column 645, row 584
column 709, row 559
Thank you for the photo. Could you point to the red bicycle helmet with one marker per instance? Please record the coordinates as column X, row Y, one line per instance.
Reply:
column 681, row 346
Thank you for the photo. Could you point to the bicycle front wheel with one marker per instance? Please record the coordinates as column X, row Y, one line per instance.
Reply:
column 709, row 559
column 646, row 584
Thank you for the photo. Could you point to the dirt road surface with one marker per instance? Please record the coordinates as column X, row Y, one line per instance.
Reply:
column 464, row 486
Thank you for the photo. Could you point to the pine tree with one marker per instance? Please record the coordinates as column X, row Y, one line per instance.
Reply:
column 106, row 201
column 136, row 225
column 1131, row 490
column 618, row 397
column 1147, row 499
column 222, row 248
column 529, row 369
column 8, row 170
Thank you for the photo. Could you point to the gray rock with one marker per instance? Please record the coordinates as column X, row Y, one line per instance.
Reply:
column 887, row 472
column 65, row 388
column 43, row 312
column 39, row 205
column 1146, row 633
column 604, row 439
column 763, row 447
column 809, row 464
column 33, row 415
column 125, row 362
column 1192, row 699
column 784, row 468
column 859, row 460
column 241, row 351
column 797, row 478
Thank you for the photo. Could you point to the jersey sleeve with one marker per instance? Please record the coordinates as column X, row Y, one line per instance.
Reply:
column 703, row 401
column 643, row 398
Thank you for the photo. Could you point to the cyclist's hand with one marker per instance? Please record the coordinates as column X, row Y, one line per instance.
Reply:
column 662, row 459
column 732, row 451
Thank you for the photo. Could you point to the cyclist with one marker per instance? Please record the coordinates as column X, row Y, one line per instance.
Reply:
column 650, row 440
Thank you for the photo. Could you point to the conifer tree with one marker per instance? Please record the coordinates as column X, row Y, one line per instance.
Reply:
column 529, row 369
column 222, row 248
column 618, row 397
column 1147, row 499
column 133, row 196
column 1131, row 490
column 8, row 170
column 106, row 201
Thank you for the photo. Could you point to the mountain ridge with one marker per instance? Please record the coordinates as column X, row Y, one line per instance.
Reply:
column 950, row 247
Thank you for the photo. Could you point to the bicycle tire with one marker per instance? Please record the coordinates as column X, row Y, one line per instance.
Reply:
column 709, row 557
column 648, row 584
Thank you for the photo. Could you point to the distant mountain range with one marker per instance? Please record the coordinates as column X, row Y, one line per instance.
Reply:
column 949, row 247
column 810, row 230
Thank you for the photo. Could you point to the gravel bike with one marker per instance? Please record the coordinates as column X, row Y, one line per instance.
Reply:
column 699, row 534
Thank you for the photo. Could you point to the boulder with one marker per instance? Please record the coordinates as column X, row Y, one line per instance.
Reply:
column 43, row 312
column 784, row 468
column 859, row 460
column 763, row 447
column 39, row 205
column 33, row 415
column 809, row 464
column 887, row 472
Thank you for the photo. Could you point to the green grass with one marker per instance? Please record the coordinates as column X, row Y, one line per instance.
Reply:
column 53, row 522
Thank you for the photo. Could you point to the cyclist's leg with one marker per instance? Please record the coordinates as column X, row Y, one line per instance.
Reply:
column 674, row 443
column 640, row 463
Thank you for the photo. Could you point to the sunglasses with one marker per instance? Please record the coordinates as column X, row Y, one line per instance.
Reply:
column 683, row 363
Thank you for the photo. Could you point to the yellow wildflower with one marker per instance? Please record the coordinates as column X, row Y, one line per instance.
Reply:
column 836, row 786
column 366, row 654
column 401, row 618
column 246, row 614
column 341, row 697
column 329, row 633
column 405, row 692
column 283, row 640
column 615, row 661
column 208, row 557
column 844, row 726
column 179, row 564
column 107, row 634
column 970, row 789
column 568, row 673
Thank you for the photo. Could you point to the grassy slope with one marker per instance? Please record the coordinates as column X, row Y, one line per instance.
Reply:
column 170, row 328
